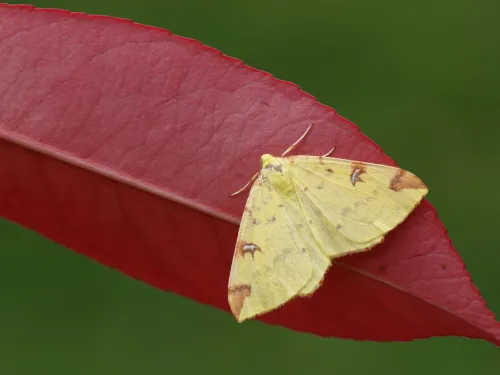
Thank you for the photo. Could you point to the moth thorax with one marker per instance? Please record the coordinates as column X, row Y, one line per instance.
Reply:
column 275, row 172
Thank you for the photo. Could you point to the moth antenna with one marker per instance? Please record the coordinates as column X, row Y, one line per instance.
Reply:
column 329, row 152
column 246, row 185
column 297, row 141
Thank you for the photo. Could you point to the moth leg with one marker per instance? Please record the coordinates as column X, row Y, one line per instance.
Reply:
column 297, row 141
column 246, row 185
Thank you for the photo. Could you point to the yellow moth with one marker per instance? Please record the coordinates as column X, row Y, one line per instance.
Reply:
column 303, row 211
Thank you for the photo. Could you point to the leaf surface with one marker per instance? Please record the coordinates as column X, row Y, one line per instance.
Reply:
column 123, row 142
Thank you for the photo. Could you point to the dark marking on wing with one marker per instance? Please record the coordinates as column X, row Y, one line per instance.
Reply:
column 357, row 170
column 283, row 254
column 242, row 248
column 255, row 221
column 271, row 219
column 357, row 203
column 329, row 170
column 277, row 168
column 405, row 180
column 338, row 227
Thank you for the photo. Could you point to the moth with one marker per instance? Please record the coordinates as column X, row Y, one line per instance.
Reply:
column 304, row 211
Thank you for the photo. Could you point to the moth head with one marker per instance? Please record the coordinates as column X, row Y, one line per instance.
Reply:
column 265, row 160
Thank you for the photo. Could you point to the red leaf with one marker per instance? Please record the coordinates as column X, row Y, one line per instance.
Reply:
column 122, row 142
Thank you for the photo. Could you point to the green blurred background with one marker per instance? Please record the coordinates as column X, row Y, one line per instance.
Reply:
column 420, row 79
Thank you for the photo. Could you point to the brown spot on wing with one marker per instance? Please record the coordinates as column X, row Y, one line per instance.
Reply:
column 243, row 248
column 405, row 180
column 358, row 169
column 358, row 165
column 330, row 170
column 236, row 297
